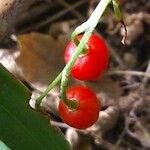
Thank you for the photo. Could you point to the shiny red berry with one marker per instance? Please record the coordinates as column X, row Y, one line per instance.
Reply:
column 93, row 63
column 87, row 111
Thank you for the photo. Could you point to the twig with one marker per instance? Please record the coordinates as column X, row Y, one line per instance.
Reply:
column 126, row 72
column 76, row 13
column 131, row 86
column 87, row 27
column 56, row 16
column 109, row 145
column 59, row 124
column 147, row 71
column 120, row 139
column 63, row 125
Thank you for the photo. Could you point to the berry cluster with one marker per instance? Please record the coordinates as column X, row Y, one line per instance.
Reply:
column 90, row 65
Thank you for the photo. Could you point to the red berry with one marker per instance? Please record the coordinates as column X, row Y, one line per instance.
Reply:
column 87, row 111
column 94, row 63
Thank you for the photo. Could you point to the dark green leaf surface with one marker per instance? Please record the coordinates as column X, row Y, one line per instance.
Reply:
column 22, row 128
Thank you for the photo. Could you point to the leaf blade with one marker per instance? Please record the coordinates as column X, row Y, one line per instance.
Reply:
column 21, row 127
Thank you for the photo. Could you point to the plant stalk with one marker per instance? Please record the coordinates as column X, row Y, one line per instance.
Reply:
column 87, row 27
column 44, row 94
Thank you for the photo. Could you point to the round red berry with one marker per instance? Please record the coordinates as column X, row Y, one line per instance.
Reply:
column 87, row 111
column 93, row 63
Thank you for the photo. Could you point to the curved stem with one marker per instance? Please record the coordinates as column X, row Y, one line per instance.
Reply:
column 92, row 21
column 66, row 71
column 51, row 86
column 88, row 27
column 78, row 30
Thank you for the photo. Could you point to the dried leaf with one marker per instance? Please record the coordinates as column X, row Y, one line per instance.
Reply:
column 41, row 57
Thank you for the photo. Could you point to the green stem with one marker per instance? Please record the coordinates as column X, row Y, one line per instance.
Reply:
column 93, row 20
column 44, row 94
column 77, row 31
column 66, row 71
column 88, row 27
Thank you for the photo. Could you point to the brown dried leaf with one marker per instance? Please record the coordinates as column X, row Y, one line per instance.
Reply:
column 41, row 57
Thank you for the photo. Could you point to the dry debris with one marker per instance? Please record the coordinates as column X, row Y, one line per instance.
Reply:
column 37, row 57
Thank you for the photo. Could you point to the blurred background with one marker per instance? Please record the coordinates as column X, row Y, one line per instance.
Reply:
column 33, row 36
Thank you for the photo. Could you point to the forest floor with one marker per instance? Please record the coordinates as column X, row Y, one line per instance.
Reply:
column 33, row 51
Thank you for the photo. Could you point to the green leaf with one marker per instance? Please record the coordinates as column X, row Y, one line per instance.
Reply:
column 3, row 146
column 22, row 128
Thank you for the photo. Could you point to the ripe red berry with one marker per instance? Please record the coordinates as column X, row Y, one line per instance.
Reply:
column 87, row 111
column 94, row 63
